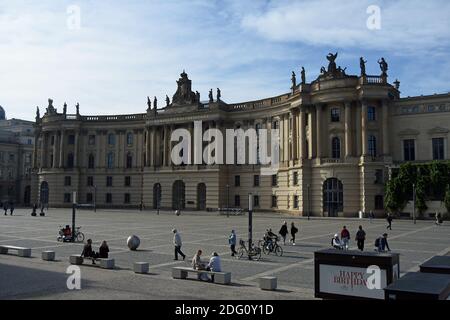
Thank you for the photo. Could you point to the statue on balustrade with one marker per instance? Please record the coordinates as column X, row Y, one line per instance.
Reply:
column 362, row 65
column 383, row 66
column 293, row 80
column 65, row 108
column 77, row 106
column 332, row 65
column 219, row 94
column 303, row 75
column 149, row 103
column 38, row 114
column 155, row 103
column 211, row 96
column 167, row 100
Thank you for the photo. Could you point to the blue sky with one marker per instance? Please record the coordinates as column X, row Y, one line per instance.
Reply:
column 125, row 51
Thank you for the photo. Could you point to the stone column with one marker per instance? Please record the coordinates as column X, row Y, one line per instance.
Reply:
column 97, row 162
column 191, row 150
column 75, row 151
column 148, row 142
column 135, row 147
column 294, row 155
column 385, row 125
column 43, row 149
column 364, row 142
column 312, row 134
column 348, row 130
column 35, row 150
column 302, row 134
column 358, row 131
column 55, row 151
column 61, row 149
column 319, row 130
column 165, row 148
column 117, row 150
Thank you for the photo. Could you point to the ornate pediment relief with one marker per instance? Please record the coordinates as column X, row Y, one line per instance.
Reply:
column 438, row 130
column 409, row 132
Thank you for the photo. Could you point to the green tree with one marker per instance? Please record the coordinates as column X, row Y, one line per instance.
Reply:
column 447, row 199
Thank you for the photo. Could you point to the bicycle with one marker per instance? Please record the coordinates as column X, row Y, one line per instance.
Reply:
column 254, row 251
column 79, row 236
column 273, row 246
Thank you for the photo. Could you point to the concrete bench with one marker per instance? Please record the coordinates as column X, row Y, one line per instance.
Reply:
column 141, row 267
column 268, row 283
column 48, row 255
column 104, row 263
column 219, row 277
column 21, row 252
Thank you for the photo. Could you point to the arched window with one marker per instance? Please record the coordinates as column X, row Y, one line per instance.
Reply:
column 129, row 160
column 178, row 195
column 129, row 138
column 110, row 160
column 372, row 146
column 91, row 161
column 70, row 160
column 111, row 139
column 336, row 148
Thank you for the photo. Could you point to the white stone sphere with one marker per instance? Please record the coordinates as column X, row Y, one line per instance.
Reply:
column 133, row 242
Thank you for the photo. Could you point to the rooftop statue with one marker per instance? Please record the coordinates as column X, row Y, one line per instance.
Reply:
column 293, row 80
column 155, row 103
column 77, row 106
column 362, row 65
column 211, row 96
column 65, row 108
column 38, row 114
column 332, row 65
column 50, row 109
column 383, row 66
column 219, row 94
column 197, row 94
column 149, row 103
column 303, row 75
column 167, row 100
column 184, row 94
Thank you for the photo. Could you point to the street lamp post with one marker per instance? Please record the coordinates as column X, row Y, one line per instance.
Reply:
column 414, row 203
column 250, row 223
column 308, row 200
column 228, row 200
column 74, row 206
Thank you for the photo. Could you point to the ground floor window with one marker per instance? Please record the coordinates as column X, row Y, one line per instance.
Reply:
column 237, row 201
column 274, row 202
column 333, row 197
column 126, row 198
column 379, row 202
column 89, row 198
column 295, row 202
column 66, row 197
column 108, row 198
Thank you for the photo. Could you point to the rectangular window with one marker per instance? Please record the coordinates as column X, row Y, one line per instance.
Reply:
column 237, row 181
column 126, row 198
column 237, row 201
column 274, row 180
column 409, row 150
column 89, row 198
column 379, row 178
column 109, row 181
column 67, row 198
column 438, row 148
column 371, row 114
column 127, row 181
column 295, row 178
column 335, row 115
column 256, row 180
column 274, row 202
column 295, row 202
column 108, row 198
column 256, row 201
column 91, row 140
column 71, row 139
column 67, row 181
column 379, row 202
column 90, row 181
column 111, row 139
column 130, row 138
column 11, row 157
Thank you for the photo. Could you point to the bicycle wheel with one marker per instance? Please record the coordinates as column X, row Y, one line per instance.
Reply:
column 278, row 251
column 80, row 237
column 240, row 253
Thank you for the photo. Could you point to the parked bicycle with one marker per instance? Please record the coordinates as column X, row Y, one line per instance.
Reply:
column 65, row 234
column 253, row 252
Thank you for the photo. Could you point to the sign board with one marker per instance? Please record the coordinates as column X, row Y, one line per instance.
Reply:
column 350, row 281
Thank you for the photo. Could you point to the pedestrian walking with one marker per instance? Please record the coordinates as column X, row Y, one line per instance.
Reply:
column 438, row 219
column 389, row 220
column 381, row 243
column 177, row 244
column 294, row 230
column 284, row 231
column 360, row 238
column 232, row 242
column 345, row 237
column 371, row 216
column 5, row 207
column 11, row 207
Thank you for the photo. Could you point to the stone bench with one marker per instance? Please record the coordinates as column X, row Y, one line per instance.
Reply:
column 21, row 252
column 219, row 277
column 48, row 255
column 104, row 263
column 141, row 267
column 268, row 283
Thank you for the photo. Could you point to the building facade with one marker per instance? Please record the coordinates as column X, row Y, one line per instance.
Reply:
column 339, row 136
column 16, row 149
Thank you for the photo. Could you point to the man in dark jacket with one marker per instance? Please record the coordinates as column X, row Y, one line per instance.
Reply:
column 382, row 244
column 389, row 220
column 294, row 231
column 360, row 238
column 284, row 231
column 88, row 252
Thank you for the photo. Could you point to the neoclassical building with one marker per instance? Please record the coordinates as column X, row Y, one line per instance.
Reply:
column 339, row 137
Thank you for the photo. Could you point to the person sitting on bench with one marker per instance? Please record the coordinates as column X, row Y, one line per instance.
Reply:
column 336, row 242
column 103, row 250
column 88, row 252
column 198, row 264
column 67, row 233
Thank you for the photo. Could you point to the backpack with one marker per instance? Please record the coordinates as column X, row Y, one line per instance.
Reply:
column 377, row 242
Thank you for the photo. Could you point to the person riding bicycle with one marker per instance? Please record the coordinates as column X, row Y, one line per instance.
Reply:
column 270, row 238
